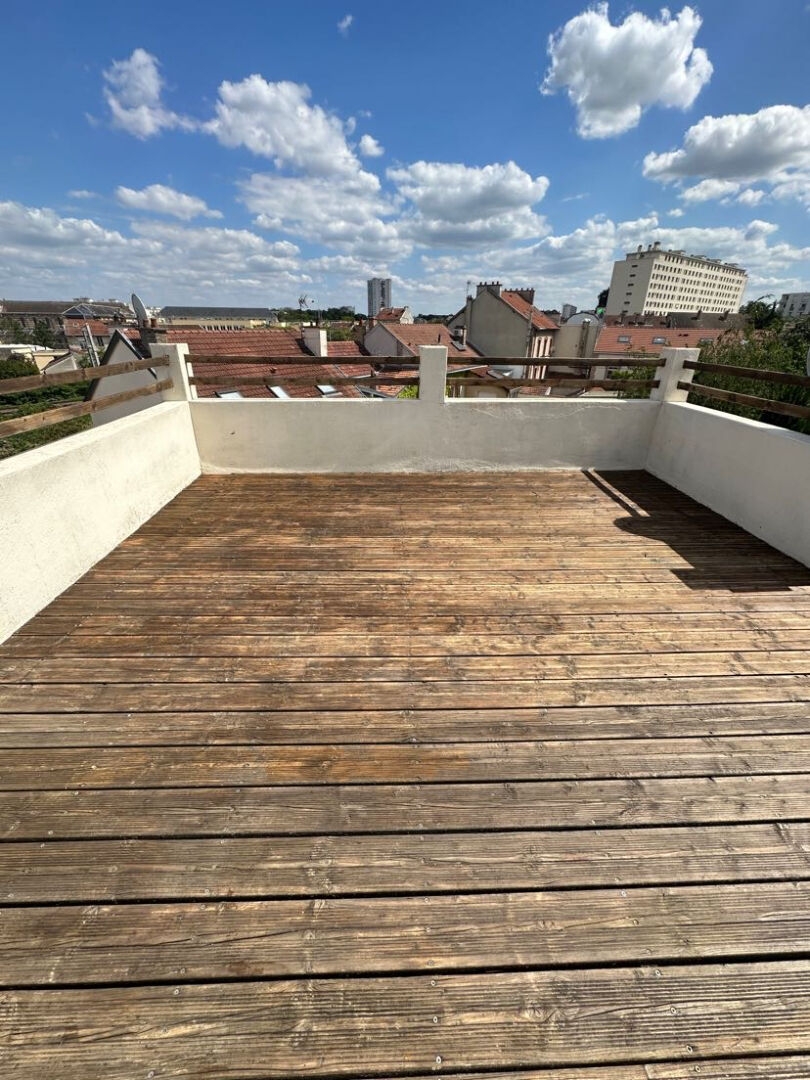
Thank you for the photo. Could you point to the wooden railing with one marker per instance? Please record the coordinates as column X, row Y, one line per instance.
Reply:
column 390, row 371
column 49, row 415
column 774, row 405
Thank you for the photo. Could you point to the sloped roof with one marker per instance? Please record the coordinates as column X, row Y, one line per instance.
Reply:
column 390, row 314
column 523, row 308
column 182, row 312
column 416, row 334
column 263, row 343
column 74, row 328
column 618, row 340
column 345, row 348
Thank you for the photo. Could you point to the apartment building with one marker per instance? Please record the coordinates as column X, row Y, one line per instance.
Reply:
column 379, row 294
column 794, row 305
column 655, row 281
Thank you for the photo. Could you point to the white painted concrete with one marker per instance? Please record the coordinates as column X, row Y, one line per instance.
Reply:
column 422, row 435
column 66, row 505
column 755, row 475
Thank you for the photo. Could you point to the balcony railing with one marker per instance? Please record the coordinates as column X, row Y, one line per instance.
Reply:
column 68, row 504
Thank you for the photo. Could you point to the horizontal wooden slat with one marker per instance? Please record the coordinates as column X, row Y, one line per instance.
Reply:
column 72, row 727
column 36, row 420
column 783, row 408
column 85, row 813
column 788, row 378
column 84, row 375
column 383, row 696
column 395, row 1027
column 408, row 669
column 272, row 939
column 103, row 870
column 194, row 766
column 114, row 646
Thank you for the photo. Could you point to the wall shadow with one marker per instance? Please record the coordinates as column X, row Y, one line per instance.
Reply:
column 721, row 555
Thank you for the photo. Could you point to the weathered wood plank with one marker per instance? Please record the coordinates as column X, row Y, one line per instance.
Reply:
column 105, row 870
column 333, row 1027
column 166, row 645
column 204, row 766
column 382, row 696
column 87, row 813
column 45, row 946
column 131, row 728
column 335, row 669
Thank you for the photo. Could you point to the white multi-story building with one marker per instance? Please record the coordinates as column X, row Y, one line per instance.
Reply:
column 656, row 282
column 379, row 294
column 794, row 305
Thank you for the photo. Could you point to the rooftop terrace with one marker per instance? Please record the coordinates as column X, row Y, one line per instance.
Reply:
column 490, row 770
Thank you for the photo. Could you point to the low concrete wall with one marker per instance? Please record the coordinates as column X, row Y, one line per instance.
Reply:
column 755, row 475
column 66, row 505
column 421, row 435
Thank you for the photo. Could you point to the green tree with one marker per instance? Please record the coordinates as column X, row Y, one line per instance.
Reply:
column 12, row 332
column 778, row 347
column 32, row 401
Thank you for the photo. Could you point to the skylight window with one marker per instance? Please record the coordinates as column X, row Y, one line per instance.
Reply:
column 624, row 338
column 327, row 390
column 659, row 341
column 278, row 391
column 228, row 395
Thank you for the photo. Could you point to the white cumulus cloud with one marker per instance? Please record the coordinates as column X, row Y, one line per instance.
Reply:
column 369, row 147
column 133, row 93
column 613, row 73
column 450, row 204
column 160, row 199
column 276, row 120
column 771, row 146
column 345, row 23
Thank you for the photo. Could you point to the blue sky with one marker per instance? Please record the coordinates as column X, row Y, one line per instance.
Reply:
column 255, row 152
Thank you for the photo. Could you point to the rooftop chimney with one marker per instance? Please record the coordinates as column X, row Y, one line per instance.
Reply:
column 315, row 340
column 489, row 286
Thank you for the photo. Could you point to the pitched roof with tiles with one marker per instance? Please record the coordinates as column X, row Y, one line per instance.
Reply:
column 519, row 304
column 231, row 344
column 618, row 340
column 345, row 348
column 390, row 314
column 264, row 342
column 416, row 334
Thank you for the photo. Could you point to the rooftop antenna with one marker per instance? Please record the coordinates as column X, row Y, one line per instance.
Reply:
column 140, row 311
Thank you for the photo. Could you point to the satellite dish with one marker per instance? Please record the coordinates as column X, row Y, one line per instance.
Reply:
column 140, row 310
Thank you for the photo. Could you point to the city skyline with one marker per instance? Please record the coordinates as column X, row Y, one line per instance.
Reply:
column 255, row 164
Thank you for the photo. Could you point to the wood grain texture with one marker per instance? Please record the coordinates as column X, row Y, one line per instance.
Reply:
column 286, row 866
column 492, row 775
column 413, row 1023
column 271, row 939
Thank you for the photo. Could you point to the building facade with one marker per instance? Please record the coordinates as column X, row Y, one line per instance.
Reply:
column 505, row 323
column 794, row 305
column 655, row 282
column 379, row 294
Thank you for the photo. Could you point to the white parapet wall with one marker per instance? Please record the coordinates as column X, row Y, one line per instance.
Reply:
column 419, row 436
column 427, row 434
column 755, row 475
column 66, row 505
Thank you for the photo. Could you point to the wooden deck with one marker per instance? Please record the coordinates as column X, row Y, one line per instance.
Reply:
column 376, row 776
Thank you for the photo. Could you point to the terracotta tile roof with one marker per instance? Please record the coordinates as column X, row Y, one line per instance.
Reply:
column 345, row 348
column 74, row 328
column 268, row 342
column 390, row 314
column 523, row 307
column 275, row 375
column 416, row 334
column 617, row 340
